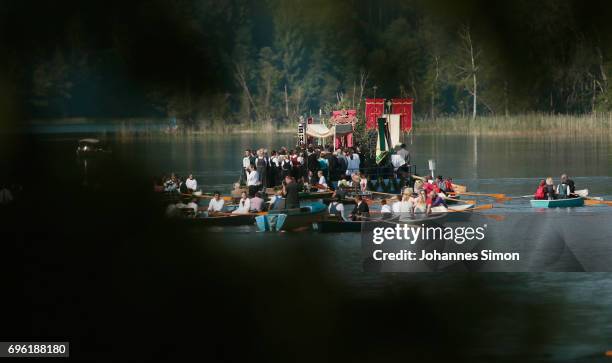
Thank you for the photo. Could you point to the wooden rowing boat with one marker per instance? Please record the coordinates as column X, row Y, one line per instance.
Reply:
column 336, row 225
column 226, row 220
column 291, row 219
column 558, row 203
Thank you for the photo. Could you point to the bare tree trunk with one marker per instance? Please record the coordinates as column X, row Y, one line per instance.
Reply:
column 353, row 98
column 434, row 87
column 466, row 36
column 363, row 79
column 286, row 102
column 241, row 77
column 506, row 111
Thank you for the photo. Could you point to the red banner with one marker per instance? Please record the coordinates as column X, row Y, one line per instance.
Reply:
column 373, row 110
column 403, row 107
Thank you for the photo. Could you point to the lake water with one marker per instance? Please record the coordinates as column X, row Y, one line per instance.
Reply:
column 556, row 316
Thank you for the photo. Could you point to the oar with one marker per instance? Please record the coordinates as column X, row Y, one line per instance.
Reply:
column 480, row 207
column 388, row 194
column 492, row 195
column 205, row 196
column 590, row 201
column 461, row 200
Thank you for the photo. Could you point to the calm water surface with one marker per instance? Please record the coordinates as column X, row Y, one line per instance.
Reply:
column 577, row 304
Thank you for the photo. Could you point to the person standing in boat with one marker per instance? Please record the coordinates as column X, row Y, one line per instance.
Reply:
column 361, row 209
column 274, row 174
column 353, row 162
column 285, row 168
column 244, row 205
column 550, row 189
column 291, row 193
column 261, row 165
column 246, row 162
column 216, row 204
column 404, row 153
column 253, row 182
column 342, row 164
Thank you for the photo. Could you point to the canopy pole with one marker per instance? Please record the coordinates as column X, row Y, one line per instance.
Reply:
column 334, row 140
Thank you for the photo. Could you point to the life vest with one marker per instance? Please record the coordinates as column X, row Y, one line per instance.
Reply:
column 562, row 191
column 449, row 186
column 540, row 194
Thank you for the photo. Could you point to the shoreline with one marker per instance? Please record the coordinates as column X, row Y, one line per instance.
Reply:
column 592, row 125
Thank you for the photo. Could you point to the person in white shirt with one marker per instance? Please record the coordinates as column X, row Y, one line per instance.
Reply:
column 244, row 205
column 246, row 162
column 322, row 184
column 216, row 204
column 384, row 207
column 252, row 180
column 191, row 183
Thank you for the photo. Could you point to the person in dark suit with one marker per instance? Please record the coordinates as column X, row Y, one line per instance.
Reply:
column 361, row 210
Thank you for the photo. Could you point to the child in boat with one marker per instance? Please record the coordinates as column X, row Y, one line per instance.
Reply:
column 540, row 193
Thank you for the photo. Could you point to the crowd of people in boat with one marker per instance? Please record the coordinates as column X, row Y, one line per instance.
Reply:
column 548, row 191
column 422, row 198
column 318, row 167
column 344, row 172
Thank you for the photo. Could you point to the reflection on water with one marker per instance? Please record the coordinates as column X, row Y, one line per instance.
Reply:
column 476, row 161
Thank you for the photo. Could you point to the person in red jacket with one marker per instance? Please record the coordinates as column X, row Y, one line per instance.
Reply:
column 541, row 191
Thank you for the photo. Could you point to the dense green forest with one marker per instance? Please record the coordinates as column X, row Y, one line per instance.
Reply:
column 267, row 62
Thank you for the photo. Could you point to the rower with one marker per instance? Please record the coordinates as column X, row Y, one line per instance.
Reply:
column 540, row 193
column 290, row 191
column 361, row 209
column 563, row 189
column 216, row 204
column 572, row 188
column 336, row 208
